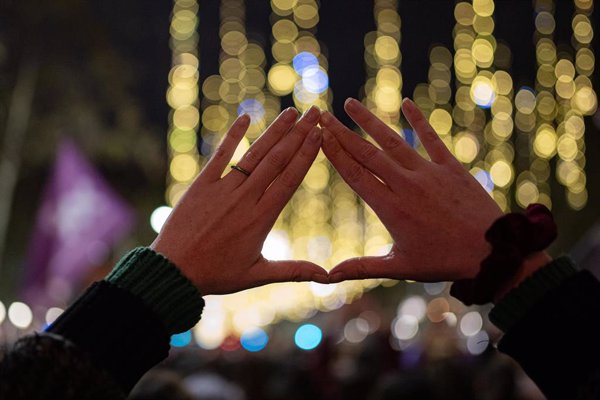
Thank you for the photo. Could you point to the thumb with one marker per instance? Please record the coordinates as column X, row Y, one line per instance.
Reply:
column 289, row 271
column 366, row 268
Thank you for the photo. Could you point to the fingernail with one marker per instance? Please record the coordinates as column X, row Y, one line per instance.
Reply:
column 337, row 277
column 312, row 115
column 244, row 117
column 327, row 136
column 289, row 114
column 315, row 135
column 408, row 104
column 351, row 104
column 326, row 117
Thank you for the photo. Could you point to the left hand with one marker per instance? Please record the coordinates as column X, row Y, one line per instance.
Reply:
column 216, row 232
column 435, row 211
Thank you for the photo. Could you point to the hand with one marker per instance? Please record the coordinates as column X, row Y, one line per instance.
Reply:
column 216, row 232
column 435, row 211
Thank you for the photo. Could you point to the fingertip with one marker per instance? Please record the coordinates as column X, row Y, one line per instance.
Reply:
column 244, row 118
column 351, row 104
column 315, row 135
column 336, row 277
column 408, row 105
column 326, row 117
column 289, row 115
column 321, row 278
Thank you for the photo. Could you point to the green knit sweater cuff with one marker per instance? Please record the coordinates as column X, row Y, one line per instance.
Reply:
column 161, row 285
column 521, row 299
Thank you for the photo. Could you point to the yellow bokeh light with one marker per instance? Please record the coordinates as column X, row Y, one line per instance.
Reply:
column 482, row 91
column 483, row 53
column 525, row 101
column 284, row 4
column 567, row 147
column 234, row 42
column 585, row 100
column 240, row 150
column 565, row 87
column 564, row 67
column 184, row 167
column 464, row 13
column 545, row 51
column 483, row 8
column 502, row 82
column 483, row 25
column 441, row 121
column 544, row 23
column 502, row 125
column 182, row 141
column 440, row 55
column 285, row 31
column 527, row 193
column 386, row 49
column 389, row 76
column 317, row 178
column 282, row 79
column 584, row 61
column 186, row 117
column 387, row 99
column 466, row 147
column 306, row 15
column 544, row 143
column 501, row 173
column 215, row 118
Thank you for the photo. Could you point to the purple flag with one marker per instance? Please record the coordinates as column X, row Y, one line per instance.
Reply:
column 79, row 220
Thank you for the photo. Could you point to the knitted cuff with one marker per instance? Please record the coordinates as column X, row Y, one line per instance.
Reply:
column 161, row 286
column 521, row 299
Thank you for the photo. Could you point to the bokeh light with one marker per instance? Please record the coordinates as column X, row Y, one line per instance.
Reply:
column 308, row 336
column 20, row 315
column 254, row 340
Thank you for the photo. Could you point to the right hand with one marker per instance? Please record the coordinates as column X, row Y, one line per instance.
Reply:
column 435, row 211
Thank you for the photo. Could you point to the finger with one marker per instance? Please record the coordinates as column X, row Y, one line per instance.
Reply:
column 279, row 193
column 435, row 147
column 365, row 268
column 268, row 271
column 389, row 140
column 217, row 163
column 279, row 156
column 278, row 128
column 368, row 187
column 374, row 159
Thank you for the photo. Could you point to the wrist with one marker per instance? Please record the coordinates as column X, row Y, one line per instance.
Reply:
column 529, row 265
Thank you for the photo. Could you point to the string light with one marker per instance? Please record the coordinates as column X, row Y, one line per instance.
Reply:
column 325, row 222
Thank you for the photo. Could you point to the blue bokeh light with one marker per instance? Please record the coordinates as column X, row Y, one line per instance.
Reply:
column 304, row 60
column 315, row 79
column 254, row 340
column 410, row 137
column 485, row 179
column 308, row 336
column 181, row 339
column 253, row 108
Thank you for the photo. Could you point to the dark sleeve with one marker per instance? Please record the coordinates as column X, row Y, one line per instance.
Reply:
column 118, row 329
column 557, row 340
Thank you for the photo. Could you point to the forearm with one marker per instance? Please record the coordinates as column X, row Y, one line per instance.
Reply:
column 549, row 317
column 121, row 325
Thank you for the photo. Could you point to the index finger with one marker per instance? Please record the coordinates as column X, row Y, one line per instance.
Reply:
column 434, row 146
column 389, row 140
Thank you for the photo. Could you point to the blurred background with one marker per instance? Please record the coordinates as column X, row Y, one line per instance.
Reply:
column 109, row 109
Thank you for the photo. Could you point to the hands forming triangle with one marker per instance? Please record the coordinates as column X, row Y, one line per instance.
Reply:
column 435, row 211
